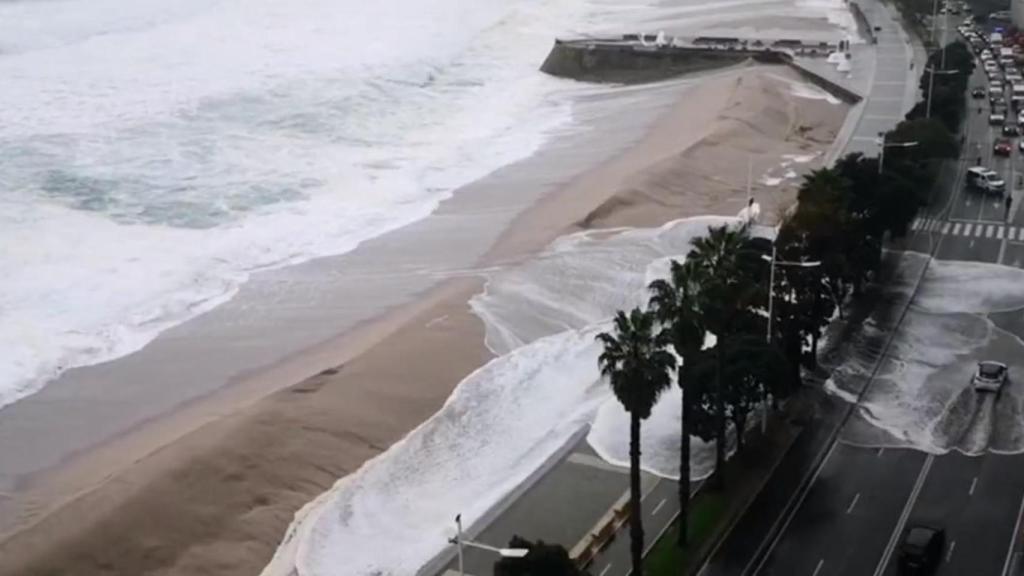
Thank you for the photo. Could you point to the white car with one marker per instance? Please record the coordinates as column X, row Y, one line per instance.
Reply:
column 986, row 180
column 1020, row 117
column 990, row 376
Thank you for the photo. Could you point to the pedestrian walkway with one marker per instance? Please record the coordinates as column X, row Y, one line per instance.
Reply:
column 970, row 229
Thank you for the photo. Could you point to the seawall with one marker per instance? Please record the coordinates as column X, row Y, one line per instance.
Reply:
column 626, row 61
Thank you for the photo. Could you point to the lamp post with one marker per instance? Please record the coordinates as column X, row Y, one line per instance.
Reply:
column 931, row 84
column 459, row 541
column 882, row 145
column 771, row 299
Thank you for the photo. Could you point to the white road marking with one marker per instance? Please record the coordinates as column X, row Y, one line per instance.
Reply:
column 880, row 569
column 1000, row 231
column 952, row 546
column 974, row 483
column 658, row 507
column 799, row 497
column 990, row 231
column 967, row 229
column 945, row 228
column 1013, row 538
column 818, row 567
column 854, row 503
column 881, row 451
column 606, row 569
column 956, row 229
column 978, row 231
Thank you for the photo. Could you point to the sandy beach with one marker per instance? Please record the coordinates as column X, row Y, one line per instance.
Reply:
column 210, row 488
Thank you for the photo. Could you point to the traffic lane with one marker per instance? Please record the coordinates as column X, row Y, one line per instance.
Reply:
column 979, row 249
column 944, row 496
column 1013, row 255
column 659, row 507
column 985, row 528
column 858, row 492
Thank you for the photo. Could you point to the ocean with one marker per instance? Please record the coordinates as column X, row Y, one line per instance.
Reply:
column 157, row 153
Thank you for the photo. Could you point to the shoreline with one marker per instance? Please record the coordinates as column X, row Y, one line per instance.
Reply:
column 251, row 414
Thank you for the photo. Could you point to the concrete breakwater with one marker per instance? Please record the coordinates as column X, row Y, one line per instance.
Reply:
column 631, row 59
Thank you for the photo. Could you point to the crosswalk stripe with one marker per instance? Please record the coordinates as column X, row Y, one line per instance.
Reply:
column 956, row 229
column 967, row 229
column 991, row 230
column 999, row 232
column 945, row 228
column 916, row 225
column 978, row 231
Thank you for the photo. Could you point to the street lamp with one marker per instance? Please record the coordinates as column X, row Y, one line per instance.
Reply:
column 460, row 542
column 882, row 144
column 771, row 299
column 931, row 84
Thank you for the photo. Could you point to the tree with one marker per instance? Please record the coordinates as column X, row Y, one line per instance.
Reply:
column 639, row 369
column 542, row 560
column 674, row 303
column 727, row 290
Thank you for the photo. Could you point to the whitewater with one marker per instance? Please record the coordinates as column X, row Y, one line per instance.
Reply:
column 157, row 153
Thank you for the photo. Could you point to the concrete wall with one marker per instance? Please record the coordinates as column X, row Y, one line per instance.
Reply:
column 623, row 63
column 863, row 26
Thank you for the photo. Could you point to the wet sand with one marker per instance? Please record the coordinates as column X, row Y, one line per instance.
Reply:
column 211, row 488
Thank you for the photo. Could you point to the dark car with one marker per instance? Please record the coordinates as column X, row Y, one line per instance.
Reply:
column 921, row 550
column 978, row 93
column 1011, row 130
column 1002, row 147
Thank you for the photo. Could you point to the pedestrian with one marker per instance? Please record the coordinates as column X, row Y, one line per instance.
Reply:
column 979, row 161
column 1008, row 202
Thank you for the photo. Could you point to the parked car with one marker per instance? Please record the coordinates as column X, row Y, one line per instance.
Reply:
column 990, row 376
column 1020, row 144
column 921, row 550
column 1011, row 130
column 998, row 101
column 1002, row 147
column 978, row 93
column 997, row 118
column 985, row 180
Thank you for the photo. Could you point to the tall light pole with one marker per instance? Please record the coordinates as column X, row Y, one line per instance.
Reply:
column 459, row 541
column 771, row 299
column 931, row 83
column 882, row 145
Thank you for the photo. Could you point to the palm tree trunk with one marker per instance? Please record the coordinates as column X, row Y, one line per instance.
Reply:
column 684, row 460
column 719, row 420
column 636, row 528
column 740, row 421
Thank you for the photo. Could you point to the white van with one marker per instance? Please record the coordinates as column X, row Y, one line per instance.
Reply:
column 986, row 180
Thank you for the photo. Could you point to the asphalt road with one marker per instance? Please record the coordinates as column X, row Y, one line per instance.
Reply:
column 857, row 505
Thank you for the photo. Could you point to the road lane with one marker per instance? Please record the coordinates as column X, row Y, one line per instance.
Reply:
column 826, row 524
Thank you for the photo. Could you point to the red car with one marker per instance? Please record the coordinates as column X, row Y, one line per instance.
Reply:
column 1002, row 147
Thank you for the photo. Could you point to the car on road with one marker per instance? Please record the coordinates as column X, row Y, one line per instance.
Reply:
column 921, row 550
column 978, row 93
column 1020, row 145
column 997, row 101
column 990, row 376
column 1011, row 131
column 985, row 180
column 996, row 118
column 1002, row 147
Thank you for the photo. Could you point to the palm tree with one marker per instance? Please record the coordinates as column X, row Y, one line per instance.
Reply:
column 674, row 303
column 720, row 258
column 638, row 365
